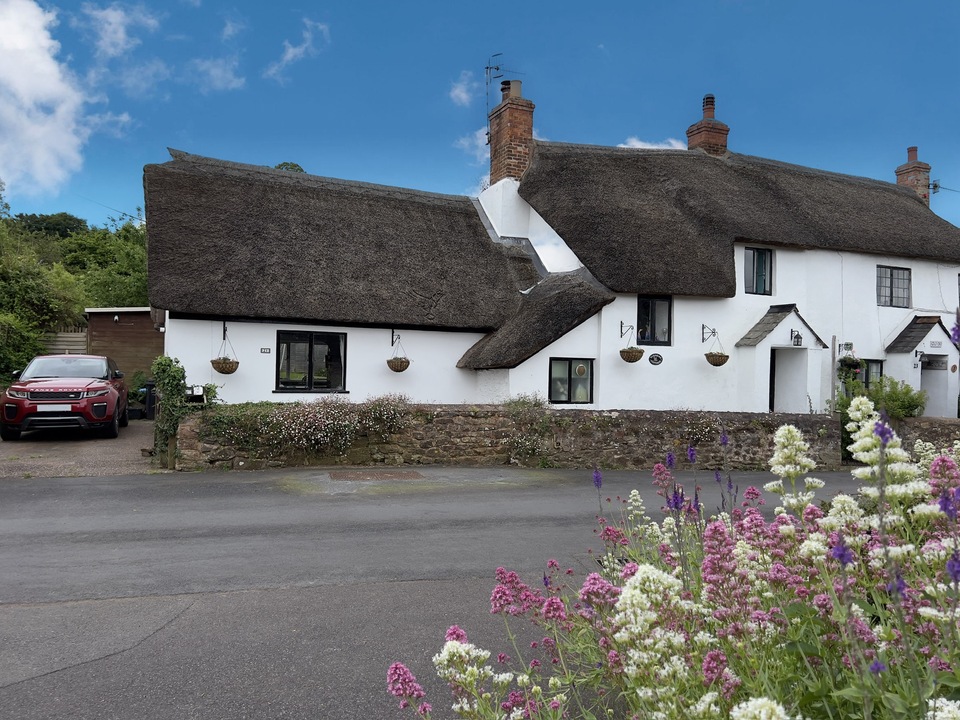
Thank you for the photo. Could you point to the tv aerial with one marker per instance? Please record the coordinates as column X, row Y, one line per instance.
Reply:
column 494, row 70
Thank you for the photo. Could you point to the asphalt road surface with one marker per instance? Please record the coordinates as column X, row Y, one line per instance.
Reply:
column 271, row 595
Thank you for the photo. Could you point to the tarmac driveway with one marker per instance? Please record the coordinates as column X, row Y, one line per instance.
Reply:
column 72, row 453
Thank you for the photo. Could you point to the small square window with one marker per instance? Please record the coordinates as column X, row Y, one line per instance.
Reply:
column 893, row 286
column 311, row 361
column 571, row 380
column 653, row 319
column 758, row 271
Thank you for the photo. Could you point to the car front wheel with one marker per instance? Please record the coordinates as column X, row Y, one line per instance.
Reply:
column 113, row 429
column 7, row 433
column 125, row 418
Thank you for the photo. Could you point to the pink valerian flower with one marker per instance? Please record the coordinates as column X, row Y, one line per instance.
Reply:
column 598, row 592
column 554, row 609
column 614, row 661
column 629, row 570
column 750, row 495
column 714, row 663
column 455, row 633
column 612, row 535
column 662, row 479
column 402, row 683
column 512, row 596
column 425, row 709
column 944, row 475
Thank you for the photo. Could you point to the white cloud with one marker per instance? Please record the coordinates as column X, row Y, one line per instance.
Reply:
column 295, row 53
column 668, row 144
column 464, row 90
column 113, row 25
column 141, row 80
column 217, row 73
column 42, row 127
column 475, row 144
column 231, row 28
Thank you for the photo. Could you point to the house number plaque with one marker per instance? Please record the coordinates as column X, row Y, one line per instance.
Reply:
column 264, row 351
column 656, row 359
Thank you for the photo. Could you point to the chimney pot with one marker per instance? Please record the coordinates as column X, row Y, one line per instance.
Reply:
column 511, row 88
column 912, row 153
column 709, row 106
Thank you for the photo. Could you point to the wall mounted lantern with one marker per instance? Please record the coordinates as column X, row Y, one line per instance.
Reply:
column 796, row 338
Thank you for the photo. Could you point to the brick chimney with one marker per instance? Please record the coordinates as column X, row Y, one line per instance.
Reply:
column 511, row 134
column 709, row 135
column 915, row 175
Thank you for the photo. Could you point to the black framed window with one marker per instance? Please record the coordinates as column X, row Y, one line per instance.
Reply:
column 893, row 286
column 571, row 380
column 874, row 372
column 653, row 319
column 758, row 270
column 311, row 361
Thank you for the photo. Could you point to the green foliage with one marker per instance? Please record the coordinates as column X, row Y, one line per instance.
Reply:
column 172, row 405
column 60, row 224
column 18, row 344
column 289, row 167
column 531, row 423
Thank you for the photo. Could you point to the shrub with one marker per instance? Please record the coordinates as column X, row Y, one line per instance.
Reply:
column 385, row 415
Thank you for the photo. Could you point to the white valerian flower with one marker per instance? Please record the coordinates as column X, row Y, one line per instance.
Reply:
column 759, row 709
column 815, row 546
column 943, row 709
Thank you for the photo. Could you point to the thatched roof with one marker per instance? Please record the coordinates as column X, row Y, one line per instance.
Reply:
column 548, row 312
column 664, row 221
column 228, row 239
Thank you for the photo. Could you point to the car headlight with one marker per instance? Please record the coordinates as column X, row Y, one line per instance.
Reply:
column 19, row 394
column 95, row 393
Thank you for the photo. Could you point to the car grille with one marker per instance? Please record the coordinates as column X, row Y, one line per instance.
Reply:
column 61, row 395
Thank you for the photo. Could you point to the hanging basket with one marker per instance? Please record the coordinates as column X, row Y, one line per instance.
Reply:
column 225, row 365
column 716, row 359
column 631, row 354
column 398, row 364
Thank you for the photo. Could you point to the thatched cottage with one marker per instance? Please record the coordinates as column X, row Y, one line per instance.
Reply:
column 744, row 281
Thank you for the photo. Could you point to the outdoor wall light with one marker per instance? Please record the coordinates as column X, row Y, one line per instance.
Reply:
column 796, row 338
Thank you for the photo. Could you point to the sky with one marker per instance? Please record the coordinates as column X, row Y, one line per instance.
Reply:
column 397, row 93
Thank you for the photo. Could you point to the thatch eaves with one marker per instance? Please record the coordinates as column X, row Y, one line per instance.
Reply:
column 664, row 221
column 228, row 239
column 551, row 309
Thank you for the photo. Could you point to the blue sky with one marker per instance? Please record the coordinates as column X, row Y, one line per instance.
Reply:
column 394, row 93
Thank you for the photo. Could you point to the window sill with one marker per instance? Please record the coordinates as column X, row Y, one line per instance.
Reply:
column 305, row 391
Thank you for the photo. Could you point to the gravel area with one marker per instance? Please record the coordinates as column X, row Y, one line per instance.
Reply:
column 68, row 453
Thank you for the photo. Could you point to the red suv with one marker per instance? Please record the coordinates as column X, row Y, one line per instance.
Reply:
column 65, row 391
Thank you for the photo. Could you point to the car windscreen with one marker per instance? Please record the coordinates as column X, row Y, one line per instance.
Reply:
column 54, row 367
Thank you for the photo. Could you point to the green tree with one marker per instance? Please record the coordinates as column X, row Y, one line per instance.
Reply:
column 289, row 166
column 60, row 224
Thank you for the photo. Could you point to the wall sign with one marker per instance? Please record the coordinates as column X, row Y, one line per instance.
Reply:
column 264, row 351
column 656, row 359
column 936, row 344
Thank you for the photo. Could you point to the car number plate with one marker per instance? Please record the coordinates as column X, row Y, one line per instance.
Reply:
column 53, row 408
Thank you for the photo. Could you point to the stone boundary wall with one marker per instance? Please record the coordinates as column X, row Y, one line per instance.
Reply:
column 545, row 437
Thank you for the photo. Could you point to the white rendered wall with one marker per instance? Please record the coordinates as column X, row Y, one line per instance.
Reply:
column 511, row 216
column 431, row 378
